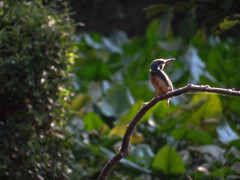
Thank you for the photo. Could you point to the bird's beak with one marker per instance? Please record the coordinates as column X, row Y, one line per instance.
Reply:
column 169, row 60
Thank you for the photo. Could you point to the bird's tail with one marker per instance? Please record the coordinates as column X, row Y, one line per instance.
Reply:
column 168, row 100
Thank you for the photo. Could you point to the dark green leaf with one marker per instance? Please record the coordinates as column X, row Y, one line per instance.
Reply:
column 199, row 137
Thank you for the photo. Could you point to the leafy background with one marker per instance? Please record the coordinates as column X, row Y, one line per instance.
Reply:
column 67, row 97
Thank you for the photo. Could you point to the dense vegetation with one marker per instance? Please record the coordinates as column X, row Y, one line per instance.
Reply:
column 65, row 104
column 34, row 42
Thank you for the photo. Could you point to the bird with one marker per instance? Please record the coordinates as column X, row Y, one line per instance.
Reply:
column 159, row 78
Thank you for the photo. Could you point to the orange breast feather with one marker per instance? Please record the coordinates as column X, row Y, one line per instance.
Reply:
column 160, row 86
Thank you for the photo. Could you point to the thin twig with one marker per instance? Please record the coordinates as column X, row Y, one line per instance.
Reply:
column 124, row 149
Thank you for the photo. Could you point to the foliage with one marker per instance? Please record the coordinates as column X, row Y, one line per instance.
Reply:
column 34, row 42
column 199, row 17
column 195, row 137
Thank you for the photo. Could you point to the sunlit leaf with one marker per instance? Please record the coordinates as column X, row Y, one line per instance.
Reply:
column 120, row 129
column 226, row 24
column 131, row 113
column 212, row 108
column 168, row 161
column 93, row 122
column 79, row 101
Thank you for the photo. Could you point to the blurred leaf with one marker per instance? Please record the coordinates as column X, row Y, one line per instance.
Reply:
column 226, row 24
column 221, row 172
column 235, row 143
column 120, row 129
column 155, row 9
column 142, row 150
column 139, row 91
column 179, row 133
column 111, row 46
column 172, row 122
column 114, row 62
column 93, row 122
column 94, row 69
column 168, row 161
column 79, row 101
column 152, row 31
column 116, row 102
column 195, row 64
column 225, row 132
column 91, row 42
column 212, row 108
column 235, row 104
column 216, row 152
column 187, row 24
column 131, row 113
column 199, row 137
column 164, row 27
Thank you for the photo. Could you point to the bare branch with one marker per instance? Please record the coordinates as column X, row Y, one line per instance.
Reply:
column 124, row 150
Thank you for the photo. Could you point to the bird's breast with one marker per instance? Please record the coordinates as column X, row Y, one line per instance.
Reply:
column 161, row 82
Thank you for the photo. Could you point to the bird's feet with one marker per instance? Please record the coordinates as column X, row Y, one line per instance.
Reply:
column 157, row 95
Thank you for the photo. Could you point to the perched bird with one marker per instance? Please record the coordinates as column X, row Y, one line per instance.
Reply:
column 159, row 78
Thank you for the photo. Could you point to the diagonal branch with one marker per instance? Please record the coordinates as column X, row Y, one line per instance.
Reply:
column 124, row 149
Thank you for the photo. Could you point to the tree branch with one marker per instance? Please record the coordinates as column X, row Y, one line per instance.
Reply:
column 124, row 149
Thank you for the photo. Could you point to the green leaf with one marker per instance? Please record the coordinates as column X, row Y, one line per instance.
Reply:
column 179, row 133
column 168, row 161
column 152, row 31
column 92, row 121
column 94, row 69
column 212, row 108
column 80, row 101
column 226, row 24
column 155, row 9
column 120, row 129
column 131, row 113
column 139, row 91
column 235, row 143
column 221, row 172
column 199, row 137
column 117, row 101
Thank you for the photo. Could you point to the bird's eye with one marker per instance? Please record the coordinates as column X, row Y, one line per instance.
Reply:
column 160, row 67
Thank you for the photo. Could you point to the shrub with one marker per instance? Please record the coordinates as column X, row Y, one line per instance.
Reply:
column 34, row 42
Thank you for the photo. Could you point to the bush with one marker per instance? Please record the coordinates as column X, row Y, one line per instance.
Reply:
column 34, row 42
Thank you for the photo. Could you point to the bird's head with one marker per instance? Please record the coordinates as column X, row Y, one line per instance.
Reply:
column 158, row 64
